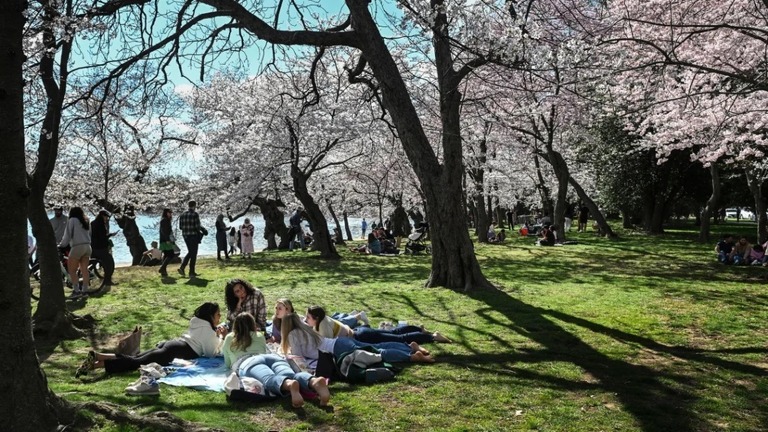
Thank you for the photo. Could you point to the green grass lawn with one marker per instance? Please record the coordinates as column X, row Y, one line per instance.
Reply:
column 647, row 333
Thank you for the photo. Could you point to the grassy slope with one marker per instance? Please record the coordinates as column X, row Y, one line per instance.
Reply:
column 646, row 334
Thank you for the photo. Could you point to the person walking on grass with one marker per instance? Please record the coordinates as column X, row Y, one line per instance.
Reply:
column 193, row 232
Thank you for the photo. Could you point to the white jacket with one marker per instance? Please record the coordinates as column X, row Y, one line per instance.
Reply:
column 202, row 338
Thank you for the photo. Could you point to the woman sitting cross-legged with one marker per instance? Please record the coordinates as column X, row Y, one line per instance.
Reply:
column 245, row 352
column 201, row 340
column 331, row 328
column 301, row 340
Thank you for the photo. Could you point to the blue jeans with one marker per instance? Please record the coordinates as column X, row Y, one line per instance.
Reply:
column 300, row 236
column 738, row 259
column 346, row 319
column 272, row 370
column 404, row 334
column 722, row 257
column 392, row 352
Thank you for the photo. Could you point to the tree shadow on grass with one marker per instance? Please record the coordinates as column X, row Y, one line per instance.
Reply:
column 660, row 400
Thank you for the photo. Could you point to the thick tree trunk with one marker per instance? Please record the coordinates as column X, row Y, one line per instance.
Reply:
column 712, row 203
column 561, row 172
column 454, row 264
column 274, row 222
column 321, row 240
column 51, row 317
column 605, row 229
column 29, row 405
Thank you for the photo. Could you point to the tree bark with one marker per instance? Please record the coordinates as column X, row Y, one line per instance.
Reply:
column 454, row 264
column 477, row 174
column 712, row 203
column 755, row 183
column 51, row 315
column 345, row 215
column 274, row 222
column 320, row 237
column 605, row 229
column 31, row 406
column 340, row 239
column 541, row 186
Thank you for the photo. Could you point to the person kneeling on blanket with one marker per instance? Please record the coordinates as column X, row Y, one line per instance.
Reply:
column 245, row 353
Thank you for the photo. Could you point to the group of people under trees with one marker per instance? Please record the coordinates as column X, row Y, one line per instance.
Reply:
column 246, row 347
column 742, row 252
column 380, row 241
column 79, row 239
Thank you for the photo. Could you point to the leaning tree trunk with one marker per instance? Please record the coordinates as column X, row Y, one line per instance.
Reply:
column 346, row 225
column 454, row 264
column 320, row 236
column 336, row 221
column 560, row 167
column 31, row 406
column 605, row 229
column 711, row 206
column 274, row 222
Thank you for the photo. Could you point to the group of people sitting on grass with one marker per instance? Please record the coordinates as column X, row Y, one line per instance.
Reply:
column 496, row 238
column 380, row 241
column 741, row 252
column 246, row 348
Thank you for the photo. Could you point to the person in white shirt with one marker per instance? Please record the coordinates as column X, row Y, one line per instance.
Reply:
column 202, row 339
column 59, row 223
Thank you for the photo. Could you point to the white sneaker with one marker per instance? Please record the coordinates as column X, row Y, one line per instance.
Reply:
column 146, row 385
column 364, row 318
column 153, row 370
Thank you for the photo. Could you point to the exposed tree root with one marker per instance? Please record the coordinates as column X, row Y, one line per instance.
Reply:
column 157, row 421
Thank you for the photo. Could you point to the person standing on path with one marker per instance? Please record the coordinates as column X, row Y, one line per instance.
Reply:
column 100, row 244
column 364, row 227
column 193, row 232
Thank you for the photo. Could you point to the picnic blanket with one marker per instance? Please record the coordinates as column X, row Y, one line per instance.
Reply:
column 204, row 374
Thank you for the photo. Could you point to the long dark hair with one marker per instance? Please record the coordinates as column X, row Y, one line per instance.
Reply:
column 79, row 214
column 244, row 324
column 206, row 311
column 166, row 212
column 229, row 292
column 318, row 313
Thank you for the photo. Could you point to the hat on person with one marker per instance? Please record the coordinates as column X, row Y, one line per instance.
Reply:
column 104, row 212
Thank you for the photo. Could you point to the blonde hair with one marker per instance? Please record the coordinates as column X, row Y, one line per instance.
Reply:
column 244, row 324
column 288, row 305
column 293, row 322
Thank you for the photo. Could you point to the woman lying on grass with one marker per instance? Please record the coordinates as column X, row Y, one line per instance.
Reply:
column 331, row 328
column 301, row 340
column 245, row 352
column 201, row 340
